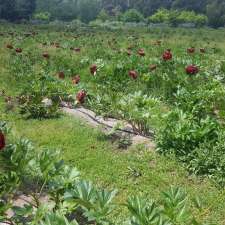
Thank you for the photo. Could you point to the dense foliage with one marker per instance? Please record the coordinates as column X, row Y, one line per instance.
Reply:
column 174, row 17
column 14, row 10
column 88, row 10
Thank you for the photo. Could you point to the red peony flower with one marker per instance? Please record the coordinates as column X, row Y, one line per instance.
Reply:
column 152, row 67
column 167, row 55
column 141, row 52
column 57, row 45
column 2, row 141
column 133, row 74
column 191, row 50
column 93, row 69
column 128, row 52
column 46, row 55
column 76, row 79
column 81, row 95
column 192, row 69
column 77, row 49
column 8, row 99
column 19, row 50
column 202, row 50
column 61, row 75
column 158, row 42
column 9, row 46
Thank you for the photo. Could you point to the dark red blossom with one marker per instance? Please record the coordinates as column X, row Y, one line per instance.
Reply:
column 93, row 69
column 191, row 50
column 167, row 55
column 129, row 53
column 133, row 74
column 19, row 50
column 46, row 55
column 61, row 75
column 152, row 67
column 158, row 42
column 202, row 50
column 76, row 79
column 57, row 45
column 2, row 141
column 9, row 46
column 8, row 99
column 77, row 49
column 81, row 95
column 141, row 52
column 192, row 69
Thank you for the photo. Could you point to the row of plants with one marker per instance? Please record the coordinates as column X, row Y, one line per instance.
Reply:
column 70, row 199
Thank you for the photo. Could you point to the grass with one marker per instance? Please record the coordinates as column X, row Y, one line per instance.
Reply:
column 106, row 166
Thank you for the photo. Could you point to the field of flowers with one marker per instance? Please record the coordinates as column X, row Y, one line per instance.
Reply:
column 170, row 81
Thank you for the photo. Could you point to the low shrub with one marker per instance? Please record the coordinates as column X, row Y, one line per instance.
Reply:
column 42, row 97
column 132, row 15
column 197, row 142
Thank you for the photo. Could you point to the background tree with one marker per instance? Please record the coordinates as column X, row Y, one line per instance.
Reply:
column 198, row 6
column 88, row 9
column 13, row 10
column 215, row 12
column 7, row 9
column 132, row 15
column 25, row 8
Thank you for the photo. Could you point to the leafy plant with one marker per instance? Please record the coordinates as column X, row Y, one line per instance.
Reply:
column 173, row 211
column 42, row 98
column 139, row 110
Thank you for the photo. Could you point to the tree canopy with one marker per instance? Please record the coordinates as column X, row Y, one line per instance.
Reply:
column 13, row 10
column 88, row 10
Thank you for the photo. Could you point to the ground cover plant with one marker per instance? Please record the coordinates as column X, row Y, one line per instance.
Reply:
column 168, row 81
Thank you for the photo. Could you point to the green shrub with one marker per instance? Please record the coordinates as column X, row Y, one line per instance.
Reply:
column 103, row 16
column 174, row 17
column 132, row 15
column 139, row 110
column 198, row 142
column 161, row 16
column 183, row 133
column 192, row 17
column 42, row 97
column 45, row 16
